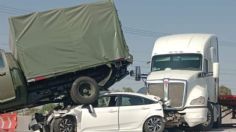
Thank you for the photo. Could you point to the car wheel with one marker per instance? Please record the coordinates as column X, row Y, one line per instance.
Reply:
column 210, row 120
column 64, row 124
column 84, row 90
column 154, row 124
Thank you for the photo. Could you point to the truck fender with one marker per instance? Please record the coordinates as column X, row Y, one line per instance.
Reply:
column 201, row 92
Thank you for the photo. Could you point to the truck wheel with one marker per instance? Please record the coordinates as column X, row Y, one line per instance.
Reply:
column 154, row 124
column 210, row 120
column 84, row 90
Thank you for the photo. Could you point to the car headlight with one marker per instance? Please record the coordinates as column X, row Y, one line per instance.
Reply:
column 198, row 101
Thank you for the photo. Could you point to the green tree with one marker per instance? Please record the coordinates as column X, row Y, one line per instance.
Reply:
column 127, row 89
column 124, row 89
column 223, row 90
column 47, row 108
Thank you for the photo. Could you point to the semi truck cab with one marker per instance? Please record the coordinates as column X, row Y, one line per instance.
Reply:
column 185, row 72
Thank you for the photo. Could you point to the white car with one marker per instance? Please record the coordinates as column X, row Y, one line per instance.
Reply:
column 112, row 112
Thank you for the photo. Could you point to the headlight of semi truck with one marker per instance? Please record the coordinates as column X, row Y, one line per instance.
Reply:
column 198, row 101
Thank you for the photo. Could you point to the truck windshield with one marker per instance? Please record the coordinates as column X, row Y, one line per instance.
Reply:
column 177, row 62
column 1, row 62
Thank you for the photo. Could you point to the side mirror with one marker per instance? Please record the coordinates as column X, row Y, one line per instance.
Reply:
column 131, row 73
column 216, row 70
column 91, row 109
column 137, row 73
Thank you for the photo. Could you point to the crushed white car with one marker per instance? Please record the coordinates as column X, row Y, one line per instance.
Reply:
column 112, row 112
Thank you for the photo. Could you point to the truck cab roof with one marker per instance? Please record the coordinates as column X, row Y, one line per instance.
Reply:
column 182, row 43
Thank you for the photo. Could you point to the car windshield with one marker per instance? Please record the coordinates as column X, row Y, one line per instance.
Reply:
column 177, row 62
column 1, row 62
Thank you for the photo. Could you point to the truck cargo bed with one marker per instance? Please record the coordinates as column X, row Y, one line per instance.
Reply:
column 51, row 43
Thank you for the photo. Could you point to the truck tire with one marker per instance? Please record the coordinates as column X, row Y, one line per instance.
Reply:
column 210, row 120
column 154, row 124
column 84, row 90
column 64, row 124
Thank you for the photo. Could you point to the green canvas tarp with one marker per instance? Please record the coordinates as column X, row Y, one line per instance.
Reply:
column 67, row 40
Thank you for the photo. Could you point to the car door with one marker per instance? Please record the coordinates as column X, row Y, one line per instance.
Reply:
column 104, row 118
column 7, row 91
column 132, row 112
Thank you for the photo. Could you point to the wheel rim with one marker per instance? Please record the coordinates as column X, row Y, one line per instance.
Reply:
column 85, row 89
column 66, row 125
column 208, row 118
column 154, row 124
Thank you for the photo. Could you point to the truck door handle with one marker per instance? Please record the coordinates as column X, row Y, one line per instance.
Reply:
column 2, row 73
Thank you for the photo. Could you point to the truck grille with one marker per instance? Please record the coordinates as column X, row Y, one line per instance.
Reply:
column 156, row 89
column 175, row 92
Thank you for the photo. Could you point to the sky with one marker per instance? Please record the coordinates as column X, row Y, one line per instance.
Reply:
column 143, row 21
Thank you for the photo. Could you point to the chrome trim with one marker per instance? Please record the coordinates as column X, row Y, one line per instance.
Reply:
column 166, row 89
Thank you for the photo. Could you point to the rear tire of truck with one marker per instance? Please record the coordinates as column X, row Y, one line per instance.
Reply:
column 210, row 120
column 84, row 90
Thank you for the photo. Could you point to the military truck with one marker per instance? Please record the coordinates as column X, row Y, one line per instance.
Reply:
column 62, row 55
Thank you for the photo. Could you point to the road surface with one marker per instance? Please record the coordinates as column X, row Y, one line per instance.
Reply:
column 228, row 125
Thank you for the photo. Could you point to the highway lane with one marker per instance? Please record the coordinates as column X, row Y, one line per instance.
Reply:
column 228, row 125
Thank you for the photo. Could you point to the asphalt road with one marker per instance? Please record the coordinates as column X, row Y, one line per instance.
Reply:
column 23, row 122
column 228, row 125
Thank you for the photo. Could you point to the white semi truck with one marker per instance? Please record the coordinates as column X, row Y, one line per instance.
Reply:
column 185, row 73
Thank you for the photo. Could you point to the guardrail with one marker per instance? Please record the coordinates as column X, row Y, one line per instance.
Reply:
column 8, row 122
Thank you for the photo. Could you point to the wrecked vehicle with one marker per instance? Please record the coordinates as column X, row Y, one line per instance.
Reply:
column 62, row 55
column 109, row 113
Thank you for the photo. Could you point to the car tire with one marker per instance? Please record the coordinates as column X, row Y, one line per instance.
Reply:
column 64, row 124
column 210, row 120
column 84, row 90
column 154, row 124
